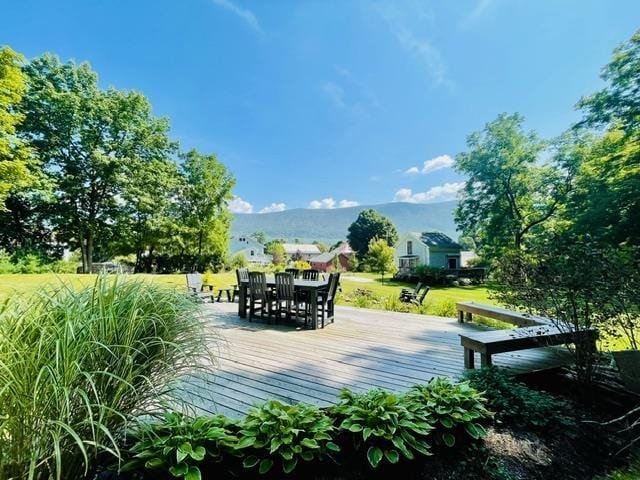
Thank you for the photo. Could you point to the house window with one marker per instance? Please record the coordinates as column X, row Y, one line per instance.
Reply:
column 252, row 253
column 409, row 247
column 452, row 263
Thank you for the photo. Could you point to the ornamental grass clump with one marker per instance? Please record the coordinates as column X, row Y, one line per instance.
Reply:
column 456, row 410
column 275, row 432
column 380, row 423
column 76, row 367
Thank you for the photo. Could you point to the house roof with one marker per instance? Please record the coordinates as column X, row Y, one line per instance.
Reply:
column 326, row 257
column 304, row 248
column 242, row 242
column 438, row 239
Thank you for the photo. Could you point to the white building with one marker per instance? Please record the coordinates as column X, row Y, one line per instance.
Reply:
column 250, row 248
column 434, row 249
column 302, row 251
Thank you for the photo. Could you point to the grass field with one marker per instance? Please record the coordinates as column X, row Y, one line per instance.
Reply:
column 440, row 300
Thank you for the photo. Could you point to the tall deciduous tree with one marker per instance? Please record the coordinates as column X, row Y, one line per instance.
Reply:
column 380, row 257
column 203, row 204
column 509, row 193
column 90, row 141
column 370, row 224
column 15, row 156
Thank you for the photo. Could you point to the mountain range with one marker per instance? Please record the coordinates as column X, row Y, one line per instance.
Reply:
column 330, row 225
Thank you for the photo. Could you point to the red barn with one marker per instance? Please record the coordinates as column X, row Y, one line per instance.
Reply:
column 338, row 258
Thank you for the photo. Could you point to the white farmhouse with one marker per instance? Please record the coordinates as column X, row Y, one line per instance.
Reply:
column 434, row 249
column 250, row 248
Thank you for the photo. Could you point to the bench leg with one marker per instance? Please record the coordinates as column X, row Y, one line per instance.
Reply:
column 485, row 359
column 469, row 358
column 460, row 316
column 468, row 317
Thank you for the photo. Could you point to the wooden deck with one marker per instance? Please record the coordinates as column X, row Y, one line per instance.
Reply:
column 361, row 350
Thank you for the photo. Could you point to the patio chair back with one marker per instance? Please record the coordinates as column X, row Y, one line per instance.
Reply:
column 420, row 298
column 242, row 275
column 194, row 282
column 258, row 285
column 285, row 289
column 293, row 271
column 310, row 274
column 334, row 281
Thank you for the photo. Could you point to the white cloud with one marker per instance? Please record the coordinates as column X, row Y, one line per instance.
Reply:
column 274, row 207
column 420, row 47
column 477, row 12
column 348, row 203
column 448, row 191
column 335, row 93
column 238, row 205
column 324, row 203
column 244, row 13
column 436, row 163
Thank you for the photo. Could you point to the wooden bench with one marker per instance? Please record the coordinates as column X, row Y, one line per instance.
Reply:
column 466, row 310
column 490, row 342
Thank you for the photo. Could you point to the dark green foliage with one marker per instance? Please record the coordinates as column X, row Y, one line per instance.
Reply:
column 285, row 433
column 381, row 424
column 182, row 445
column 369, row 225
column 455, row 410
column 517, row 405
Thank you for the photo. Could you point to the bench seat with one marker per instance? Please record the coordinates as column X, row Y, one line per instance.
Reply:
column 487, row 343
column 466, row 310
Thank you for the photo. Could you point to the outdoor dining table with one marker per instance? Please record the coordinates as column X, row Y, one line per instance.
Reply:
column 310, row 287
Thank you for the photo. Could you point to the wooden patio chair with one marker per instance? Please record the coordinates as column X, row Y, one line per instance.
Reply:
column 420, row 297
column 287, row 299
column 310, row 274
column 260, row 298
column 327, row 298
column 407, row 295
column 242, row 275
column 293, row 271
column 196, row 288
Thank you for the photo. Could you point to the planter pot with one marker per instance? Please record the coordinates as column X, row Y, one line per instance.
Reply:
column 628, row 362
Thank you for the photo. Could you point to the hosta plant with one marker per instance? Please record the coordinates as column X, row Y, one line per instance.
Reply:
column 275, row 432
column 456, row 410
column 182, row 445
column 381, row 424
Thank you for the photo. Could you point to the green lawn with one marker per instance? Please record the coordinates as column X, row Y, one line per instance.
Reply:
column 439, row 301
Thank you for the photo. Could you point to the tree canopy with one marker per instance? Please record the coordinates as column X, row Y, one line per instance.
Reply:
column 380, row 257
column 370, row 224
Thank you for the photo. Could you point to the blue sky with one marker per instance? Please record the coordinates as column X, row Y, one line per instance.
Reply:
column 325, row 104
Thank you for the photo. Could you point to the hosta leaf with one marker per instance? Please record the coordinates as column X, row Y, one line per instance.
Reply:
column 472, row 430
column 198, row 453
column 366, row 433
column 392, row 456
column 306, row 456
column 446, row 422
column 250, row 461
column 275, row 444
column 154, row 463
column 309, row 443
column 355, row 427
column 289, row 465
column 333, row 447
column 448, row 439
column 193, row 474
column 374, row 455
column 179, row 470
column 246, row 442
column 265, row 466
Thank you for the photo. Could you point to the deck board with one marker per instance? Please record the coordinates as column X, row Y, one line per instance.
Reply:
column 361, row 350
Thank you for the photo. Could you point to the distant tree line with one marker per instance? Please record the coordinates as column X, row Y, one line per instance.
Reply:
column 94, row 170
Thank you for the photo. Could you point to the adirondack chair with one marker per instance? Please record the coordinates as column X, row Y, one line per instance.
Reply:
column 196, row 287
column 406, row 295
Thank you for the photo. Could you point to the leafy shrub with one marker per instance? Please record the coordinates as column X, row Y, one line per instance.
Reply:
column 381, row 422
column 455, row 410
column 5, row 262
column 275, row 431
column 301, row 265
column 63, row 266
column 516, row 404
column 394, row 304
column 60, row 407
column 181, row 445
column 443, row 308
column 29, row 263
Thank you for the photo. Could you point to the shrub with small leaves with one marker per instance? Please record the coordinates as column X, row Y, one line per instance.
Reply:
column 274, row 431
column 516, row 404
column 455, row 410
column 381, row 424
column 182, row 445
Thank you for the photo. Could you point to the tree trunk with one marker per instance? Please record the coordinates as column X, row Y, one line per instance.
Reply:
column 89, row 251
